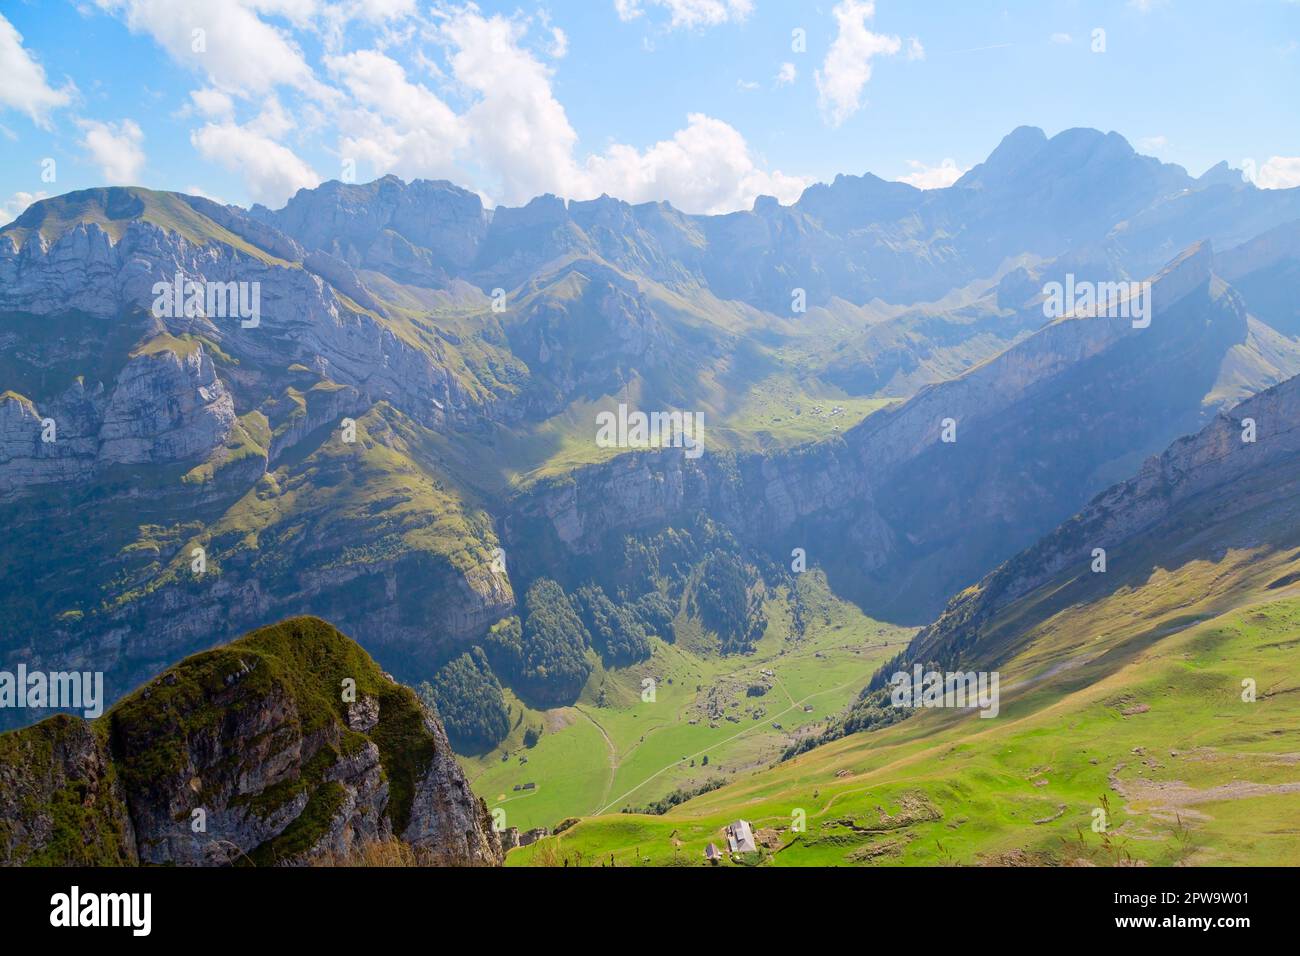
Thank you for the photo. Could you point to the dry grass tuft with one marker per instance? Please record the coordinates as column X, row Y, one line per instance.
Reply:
column 391, row 852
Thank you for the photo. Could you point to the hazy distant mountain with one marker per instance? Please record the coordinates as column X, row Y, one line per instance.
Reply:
column 856, row 239
column 899, row 518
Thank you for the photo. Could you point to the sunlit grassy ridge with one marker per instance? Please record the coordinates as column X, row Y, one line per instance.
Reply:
column 152, row 740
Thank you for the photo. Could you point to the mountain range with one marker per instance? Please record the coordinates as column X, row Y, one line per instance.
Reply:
column 402, row 440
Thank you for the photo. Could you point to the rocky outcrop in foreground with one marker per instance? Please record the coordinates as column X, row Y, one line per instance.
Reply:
column 280, row 748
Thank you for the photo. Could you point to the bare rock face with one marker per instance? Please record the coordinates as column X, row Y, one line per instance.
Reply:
column 251, row 781
column 68, row 273
column 363, row 715
column 35, row 451
column 448, row 822
column 426, row 230
column 166, row 407
column 276, row 749
column 302, row 317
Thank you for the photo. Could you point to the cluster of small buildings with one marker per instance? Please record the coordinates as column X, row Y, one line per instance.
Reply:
column 820, row 411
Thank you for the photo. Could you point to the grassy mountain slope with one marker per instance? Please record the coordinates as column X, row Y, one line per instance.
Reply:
column 1156, row 736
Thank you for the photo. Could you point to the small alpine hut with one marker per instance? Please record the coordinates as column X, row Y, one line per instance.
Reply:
column 740, row 837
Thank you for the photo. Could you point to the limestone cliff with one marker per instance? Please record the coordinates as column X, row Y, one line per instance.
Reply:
column 166, row 406
column 124, row 429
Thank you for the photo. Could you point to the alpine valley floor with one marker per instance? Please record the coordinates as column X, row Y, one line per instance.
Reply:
column 614, row 750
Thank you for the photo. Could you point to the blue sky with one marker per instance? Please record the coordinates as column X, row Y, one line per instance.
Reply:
column 705, row 103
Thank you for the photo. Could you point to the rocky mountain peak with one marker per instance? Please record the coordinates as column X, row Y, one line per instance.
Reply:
column 359, row 222
column 1221, row 174
column 1015, row 150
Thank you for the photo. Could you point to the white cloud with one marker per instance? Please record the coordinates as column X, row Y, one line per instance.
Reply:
column 515, row 121
column 488, row 118
column 23, row 86
column 1153, row 144
column 514, row 140
column 14, row 206
column 115, row 148
column 932, row 177
column 519, row 126
column 706, row 167
column 336, row 17
column 915, row 51
column 1061, row 39
column 227, row 41
column 689, row 13
column 212, row 103
column 396, row 125
column 298, row 12
column 559, row 44
column 787, row 74
column 193, row 190
column 377, row 81
column 273, row 121
column 272, row 171
column 379, row 11
column 1280, row 172
column 847, row 68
